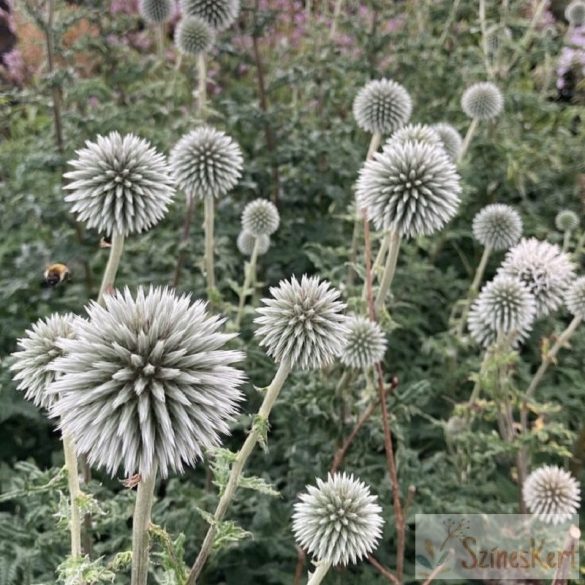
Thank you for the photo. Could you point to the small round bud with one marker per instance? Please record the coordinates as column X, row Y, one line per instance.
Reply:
column 365, row 344
column 575, row 298
column 193, row 35
column 155, row 11
column 575, row 13
column 260, row 217
column 450, row 138
column 566, row 220
column 219, row 14
column 482, row 101
column 246, row 243
column 497, row 226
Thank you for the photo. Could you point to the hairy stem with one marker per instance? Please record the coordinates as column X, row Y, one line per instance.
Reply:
column 320, row 571
column 140, row 524
column 109, row 277
column 74, row 493
column 467, row 140
column 389, row 270
column 250, row 271
column 201, row 85
column 209, row 204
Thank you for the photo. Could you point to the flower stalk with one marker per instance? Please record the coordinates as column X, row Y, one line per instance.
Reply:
column 201, row 85
column 140, row 524
column 321, row 569
column 249, row 277
column 389, row 269
column 109, row 278
column 468, row 137
column 209, row 205
column 74, row 493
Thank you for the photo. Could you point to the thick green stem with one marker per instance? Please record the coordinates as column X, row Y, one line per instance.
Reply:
column 389, row 269
column 320, row 571
column 109, row 277
column 74, row 493
column 140, row 524
column 209, row 204
column 250, row 271
column 244, row 453
column 201, row 85
column 467, row 140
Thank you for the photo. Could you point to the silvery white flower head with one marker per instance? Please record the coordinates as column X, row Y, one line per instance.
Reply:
column 36, row 352
column 206, row 163
column 482, row 101
column 575, row 297
column 365, row 344
column 219, row 14
column 155, row 11
column 260, row 218
column 246, row 242
column 194, row 36
column 302, row 322
column 382, row 106
column 147, row 383
column 411, row 188
column 552, row 494
column 566, row 220
column 417, row 132
column 338, row 521
column 504, row 307
column 450, row 138
column 120, row 184
column 497, row 226
column 544, row 269
column 575, row 13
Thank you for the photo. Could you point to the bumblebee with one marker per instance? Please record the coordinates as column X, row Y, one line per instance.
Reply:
column 56, row 274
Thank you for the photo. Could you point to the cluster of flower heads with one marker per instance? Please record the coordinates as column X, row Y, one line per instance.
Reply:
column 497, row 226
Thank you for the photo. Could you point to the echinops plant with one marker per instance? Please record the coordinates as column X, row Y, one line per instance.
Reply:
column 450, row 139
column 219, row 14
column 365, row 344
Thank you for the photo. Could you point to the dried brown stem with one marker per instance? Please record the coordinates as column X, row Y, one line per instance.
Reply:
column 384, row 571
column 184, row 240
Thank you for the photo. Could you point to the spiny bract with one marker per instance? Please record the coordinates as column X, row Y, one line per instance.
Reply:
column 382, row 106
column 365, row 344
column 482, row 101
column 338, row 521
column 575, row 297
column 302, row 322
column 544, row 269
column 260, row 217
column 36, row 352
column 450, row 138
column 146, row 384
column 246, row 242
column 575, row 12
column 552, row 494
column 497, row 226
column 219, row 14
column 156, row 11
column 120, row 184
column 566, row 220
column 206, row 163
column 418, row 132
column 193, row 35
column 412, row 188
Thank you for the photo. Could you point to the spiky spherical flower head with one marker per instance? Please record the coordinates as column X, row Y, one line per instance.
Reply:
column 155, row 11
column 382, row 106
column 544, row 269
column 120, row 184
column 411, row 188
column 566, row 220
column 418, row 132
column 219, row 14
column 36, row 352
column 504, row 307
column 450, row 138
column 260, row 218
column 147, row 383
column 482, row 101
column 193, row 35
column 552, row 494
column 575, row 297
column 302, row 322
column 575, row 13
column 338, row 521
column 497, row 226
column 365, row 344
column 206, row 163
column 246, row 242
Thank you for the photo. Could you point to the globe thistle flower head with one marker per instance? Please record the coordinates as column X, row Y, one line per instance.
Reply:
column 504, row 307
column 566, row 220
column 575, row 297
column 417, row 132
column 450, row 139
column 36, row 352
column 497, row 226
column 155, row 11
column 365, row 344
column 120, row 184
column 544, row 269
column 193, row 35
column 302, row 322
column 147, row 383
column 575, row 13
column 338, row 521
column 482, row 101
column 260, row 218
column 411, row 188
column 552, row 494
column 206, row 163
column 246, row 242
column 382, row 106
column 218, row 14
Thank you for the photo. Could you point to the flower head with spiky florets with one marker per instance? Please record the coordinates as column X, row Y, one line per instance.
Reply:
column 147, row 383
column 246, row 242
column 497, row 226
column 120, row 184
column 36, row 352
column 219, row 14
column 365, row 344
column 412, row 188
column 416, row 132
column 575, row 297
column 193, row 35
column 544, row 269
column 566, row 220
column 575, row 13
column 260, row 218
column 482, row 101
column 382, row 106
column 206, row 163
column 552, row 494
column 303, row 322
column 155, row 11
column 338, row 521
column 504, row 307
column 450, row 139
